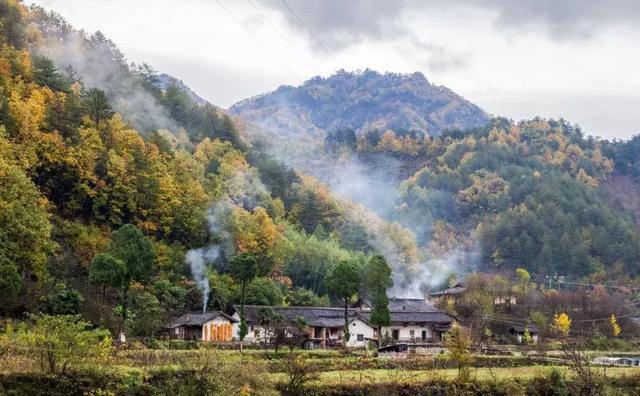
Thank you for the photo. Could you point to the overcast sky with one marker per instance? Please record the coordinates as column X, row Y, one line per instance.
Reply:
column 576, row 59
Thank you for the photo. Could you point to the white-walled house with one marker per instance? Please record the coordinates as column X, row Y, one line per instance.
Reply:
column 413, row 320
column 322, row 326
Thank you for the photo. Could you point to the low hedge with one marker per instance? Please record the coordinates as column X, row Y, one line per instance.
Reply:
column 420, row 363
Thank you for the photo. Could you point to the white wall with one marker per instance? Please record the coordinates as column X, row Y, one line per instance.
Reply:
column 356, row 327
column 405, row 332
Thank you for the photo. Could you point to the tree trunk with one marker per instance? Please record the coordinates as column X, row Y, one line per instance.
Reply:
column 346, row 322
column 242, row 319
column 125, row 306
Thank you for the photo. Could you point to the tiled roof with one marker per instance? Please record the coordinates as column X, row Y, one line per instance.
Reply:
column 410, row 305
column 334, row 317
column 458, row 289
column 416, row 317
column 313, row 316
column 198, row 318
column 520, row 328
column 405, row 304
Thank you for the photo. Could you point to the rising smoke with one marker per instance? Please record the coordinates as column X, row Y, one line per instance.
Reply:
column 245, row 190
column 198, row 260
column 372, row 198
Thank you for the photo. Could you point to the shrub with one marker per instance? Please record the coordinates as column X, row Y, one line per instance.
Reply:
column 59, row 342
column 298, row 373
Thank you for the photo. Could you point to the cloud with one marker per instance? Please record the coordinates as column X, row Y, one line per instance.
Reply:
column 339, row 24
column 567, row 19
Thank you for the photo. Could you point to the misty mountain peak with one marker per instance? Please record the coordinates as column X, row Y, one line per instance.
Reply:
column 362, row 100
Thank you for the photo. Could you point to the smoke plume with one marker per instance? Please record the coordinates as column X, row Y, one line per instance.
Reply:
column 198, row 260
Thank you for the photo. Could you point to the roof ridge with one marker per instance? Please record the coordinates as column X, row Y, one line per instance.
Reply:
column 294, row 306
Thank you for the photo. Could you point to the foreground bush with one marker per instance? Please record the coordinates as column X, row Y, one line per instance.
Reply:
column 160, row 382
column 57, row 343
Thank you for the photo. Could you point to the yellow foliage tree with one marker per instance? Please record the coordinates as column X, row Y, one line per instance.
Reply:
column 562, row 324
column 615, row 326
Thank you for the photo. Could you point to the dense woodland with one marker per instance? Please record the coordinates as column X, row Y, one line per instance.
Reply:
column 81, row 166
column 74, row 171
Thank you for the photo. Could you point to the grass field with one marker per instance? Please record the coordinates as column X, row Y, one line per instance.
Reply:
column 412, row 376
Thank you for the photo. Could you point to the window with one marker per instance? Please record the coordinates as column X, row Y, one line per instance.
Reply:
column 360, row 337
column 412, row 333
column 424, row 335
column 395, row 334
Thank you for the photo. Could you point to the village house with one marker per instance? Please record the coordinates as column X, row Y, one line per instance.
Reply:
column 413, row 320
column 323, row 327
column 519, row 331
column 207, row 326
column 457, row 291
column 454, row 292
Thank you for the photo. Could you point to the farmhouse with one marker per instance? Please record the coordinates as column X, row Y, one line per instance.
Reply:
column 454, row 292
column 458, row 290
column 412, row 320
column 321, row 327
column 519, row 332
column 208, row 326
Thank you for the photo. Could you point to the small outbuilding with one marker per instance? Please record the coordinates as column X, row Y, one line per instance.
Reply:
column 207, row 326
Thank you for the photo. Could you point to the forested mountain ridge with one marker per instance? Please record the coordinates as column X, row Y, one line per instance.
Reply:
column 526, row 194
column 362, row 101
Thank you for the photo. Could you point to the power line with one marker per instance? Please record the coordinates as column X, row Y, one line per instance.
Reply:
column 275, row 27
column 308, row 29
column 260, row 42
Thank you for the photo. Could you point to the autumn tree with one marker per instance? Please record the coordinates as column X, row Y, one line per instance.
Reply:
column 562, row 324
column 523, row 281
column 343, row 281
column 615, row 326
column 377, row 279
column 25, row 234
column 588, row 380
column 457, row 341
column 129, row 258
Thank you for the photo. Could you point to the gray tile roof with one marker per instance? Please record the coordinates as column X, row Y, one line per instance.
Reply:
column 457, row 289
column 313, row 316
column 334, row 317
column 411, row 305
column 520, row 328
column 398, row 318
column 198, row 318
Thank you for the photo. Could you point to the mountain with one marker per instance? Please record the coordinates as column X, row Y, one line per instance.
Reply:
column 362, row 101
column 164, row 81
